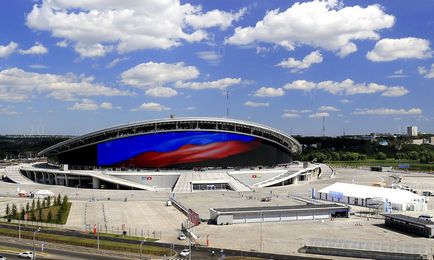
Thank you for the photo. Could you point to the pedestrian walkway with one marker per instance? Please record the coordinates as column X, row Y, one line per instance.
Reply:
column 14, row 174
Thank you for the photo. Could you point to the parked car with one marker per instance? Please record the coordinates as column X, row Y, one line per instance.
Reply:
column 2, row 257
column 27, row 254
column 184, row 252
column 426, row 217
column 181, row 236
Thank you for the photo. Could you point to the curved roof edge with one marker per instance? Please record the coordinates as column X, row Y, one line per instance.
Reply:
column 293, row 145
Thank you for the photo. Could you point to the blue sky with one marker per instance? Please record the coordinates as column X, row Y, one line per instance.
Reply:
column 70, row 67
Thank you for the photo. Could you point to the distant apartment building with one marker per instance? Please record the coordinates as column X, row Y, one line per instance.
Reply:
column 412, row 130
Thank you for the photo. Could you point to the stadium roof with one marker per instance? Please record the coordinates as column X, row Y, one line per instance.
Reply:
column 177, row 124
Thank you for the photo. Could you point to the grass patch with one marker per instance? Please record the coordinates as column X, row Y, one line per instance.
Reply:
column 242, row 258
column 414, row 165
column 126, row 237
column 87, row 242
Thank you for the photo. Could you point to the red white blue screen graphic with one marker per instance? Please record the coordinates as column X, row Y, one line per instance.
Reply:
column 161, row 150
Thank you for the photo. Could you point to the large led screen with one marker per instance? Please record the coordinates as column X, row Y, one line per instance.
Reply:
column 186, row 149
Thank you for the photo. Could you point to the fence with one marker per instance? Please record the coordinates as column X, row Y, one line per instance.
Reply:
column 146, row 233
column 367, row 248
column 31, row 223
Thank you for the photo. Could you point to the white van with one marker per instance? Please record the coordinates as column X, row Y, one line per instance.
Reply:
column 426, row 217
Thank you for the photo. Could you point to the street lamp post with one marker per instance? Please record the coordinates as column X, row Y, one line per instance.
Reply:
column 34, row 236
column 141, row 245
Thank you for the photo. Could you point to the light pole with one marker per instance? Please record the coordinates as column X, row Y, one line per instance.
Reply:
column 34, row 236
column 189, row 248
column 141, row 245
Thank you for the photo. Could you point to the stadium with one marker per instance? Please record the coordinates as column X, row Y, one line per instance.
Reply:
column 179, row 155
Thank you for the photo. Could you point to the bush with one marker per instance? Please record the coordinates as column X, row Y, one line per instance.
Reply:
column 381, row 156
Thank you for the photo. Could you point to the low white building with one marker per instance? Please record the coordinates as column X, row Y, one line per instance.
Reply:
column 370, row 196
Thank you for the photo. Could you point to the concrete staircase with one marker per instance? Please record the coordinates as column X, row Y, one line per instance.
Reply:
column 326, row 172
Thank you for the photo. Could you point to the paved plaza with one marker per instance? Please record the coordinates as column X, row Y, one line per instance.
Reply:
column 146, row 213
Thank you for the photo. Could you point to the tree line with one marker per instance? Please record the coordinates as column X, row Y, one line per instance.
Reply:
column 49, row 209
column 347, row 149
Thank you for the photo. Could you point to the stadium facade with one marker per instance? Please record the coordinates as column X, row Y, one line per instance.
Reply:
column 162, row 154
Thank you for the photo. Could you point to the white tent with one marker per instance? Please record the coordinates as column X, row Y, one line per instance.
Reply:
column 363, row 195
column 43, row 194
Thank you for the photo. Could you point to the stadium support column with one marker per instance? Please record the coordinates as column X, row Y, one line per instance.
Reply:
column 295, row 180
column 95, row 183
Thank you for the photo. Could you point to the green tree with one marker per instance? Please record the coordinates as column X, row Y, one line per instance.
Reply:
column 27, row 207
column 65, row 203
column 58, row 200
column 40, row 214
column 335, row 156
column 44, row 203
column 49, row 216
column 8, row 210
column 38, row 204
column 48, row 201
column 362, row 157
column 413, row 155
column 33, row 205
column 59, row 215
column 400, row 156
column 14, row 211
column 381, row 156
column 23, row 212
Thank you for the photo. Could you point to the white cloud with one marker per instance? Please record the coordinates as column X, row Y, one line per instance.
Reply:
column 398, row 74
column 269, row 92
column 426, row 73
column 38, row 66
column 345, row 101
column 6, row 50
column 395, row 92
column 62, row 44
column 151, row 107
column 214, row 18
column 324, row 24
column 90, row 105
column 290, row 115
column 190, row 108
column 92, row 50
column 404, row 48
column 161, row 92
column 211, row 57
column 106, row 105
column 8, row 111
column 387, row 111
column 256, row 104
column 216, row 84
column 328, row 108
column 153, row 74
column 319, row 115
column 347, row 87
column 84, row 105
column 300, row 85
column 37, row 49
column 115, row 61
column 296, row 111
column 127, row 25
column 314, row 57
column 19, row 85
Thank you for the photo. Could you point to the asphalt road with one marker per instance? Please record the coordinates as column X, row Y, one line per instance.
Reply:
column 52, row 253
column 197, row 252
